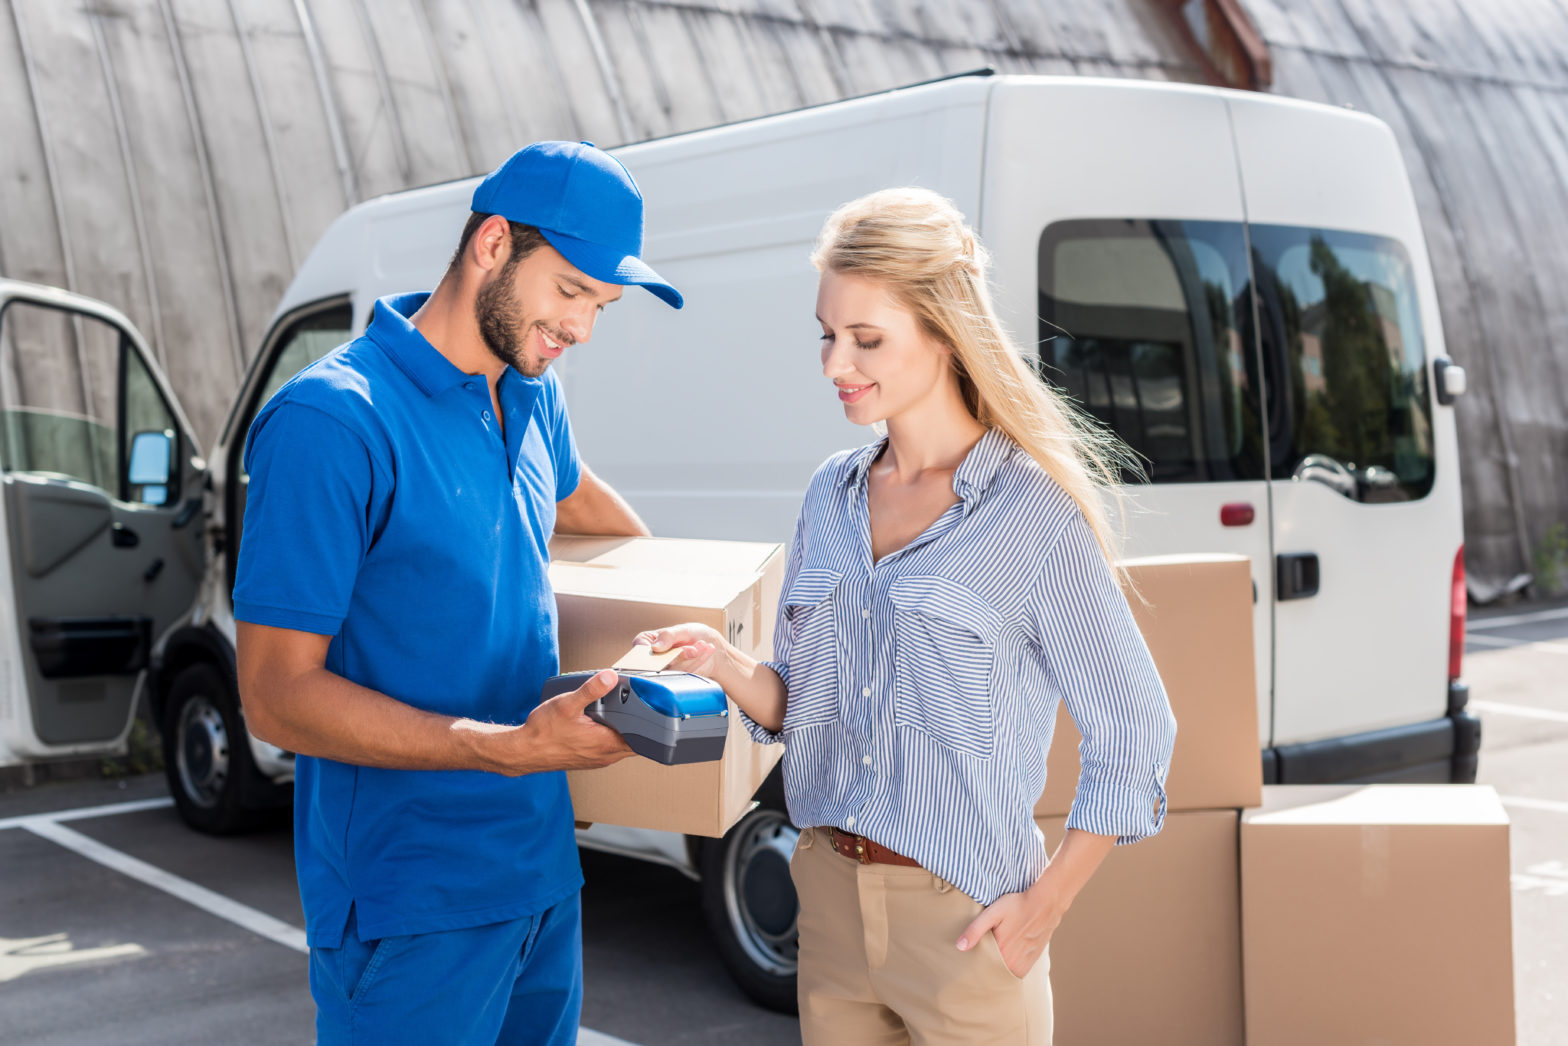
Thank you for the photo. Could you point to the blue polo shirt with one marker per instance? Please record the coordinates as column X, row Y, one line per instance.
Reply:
column 389, row 509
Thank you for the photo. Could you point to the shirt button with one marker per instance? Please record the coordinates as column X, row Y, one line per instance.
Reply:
column 866, row 759
column 865, row 613
column 485, row 415
column 865, row 691
column 849, row 822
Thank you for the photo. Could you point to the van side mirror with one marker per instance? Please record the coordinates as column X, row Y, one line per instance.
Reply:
column 148, row 468
column 1450, row 380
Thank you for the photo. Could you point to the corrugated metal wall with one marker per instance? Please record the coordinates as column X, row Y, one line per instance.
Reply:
column 1477, row 94
column 178, row 157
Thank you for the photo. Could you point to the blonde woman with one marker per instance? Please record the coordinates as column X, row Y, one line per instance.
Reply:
column 948, row 586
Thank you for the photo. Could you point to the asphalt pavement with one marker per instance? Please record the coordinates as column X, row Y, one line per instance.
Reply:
column 120, row 925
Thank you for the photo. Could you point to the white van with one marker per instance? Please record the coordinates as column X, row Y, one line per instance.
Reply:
column 1235, row 283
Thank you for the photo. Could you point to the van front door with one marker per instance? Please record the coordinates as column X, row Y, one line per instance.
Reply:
column 102, row 505
column 1114, row 214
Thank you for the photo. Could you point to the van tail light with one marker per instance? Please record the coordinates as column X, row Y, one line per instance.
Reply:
column 1456, row 616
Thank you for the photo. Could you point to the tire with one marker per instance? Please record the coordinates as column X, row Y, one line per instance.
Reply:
column 206, row 753
column 749, row 903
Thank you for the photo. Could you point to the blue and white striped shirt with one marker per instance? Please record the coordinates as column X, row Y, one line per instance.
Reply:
column 923, row 689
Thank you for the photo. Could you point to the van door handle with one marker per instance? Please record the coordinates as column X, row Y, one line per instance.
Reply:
column 1295, row 575
column 123, row 536
column 186, row 514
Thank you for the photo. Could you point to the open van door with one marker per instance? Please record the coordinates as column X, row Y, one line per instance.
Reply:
column 101, row 523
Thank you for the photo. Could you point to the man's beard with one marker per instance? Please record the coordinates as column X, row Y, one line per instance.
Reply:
column 500, row 319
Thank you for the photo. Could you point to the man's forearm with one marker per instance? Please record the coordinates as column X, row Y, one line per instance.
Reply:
column 319, row 713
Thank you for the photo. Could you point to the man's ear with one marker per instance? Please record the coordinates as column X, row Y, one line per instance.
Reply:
column 491, row 244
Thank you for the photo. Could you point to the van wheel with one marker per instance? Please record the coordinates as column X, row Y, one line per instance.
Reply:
column 205, row 752
column 749, row 902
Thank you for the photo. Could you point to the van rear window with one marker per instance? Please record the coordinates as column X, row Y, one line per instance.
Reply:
column 1147, row 325
column 1341, row 322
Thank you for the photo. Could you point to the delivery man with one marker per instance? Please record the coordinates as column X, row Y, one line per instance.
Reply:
column 396, row 621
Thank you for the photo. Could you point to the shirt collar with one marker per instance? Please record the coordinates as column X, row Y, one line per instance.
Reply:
column 391, row 328
column 972, row 477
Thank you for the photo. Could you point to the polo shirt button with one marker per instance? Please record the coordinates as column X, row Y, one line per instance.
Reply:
column 865, row 691
column 485, row 415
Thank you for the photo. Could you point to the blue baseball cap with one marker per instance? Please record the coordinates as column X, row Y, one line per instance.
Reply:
column 584, row 202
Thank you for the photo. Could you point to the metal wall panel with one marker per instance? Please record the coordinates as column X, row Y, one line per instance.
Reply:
column 179, row 157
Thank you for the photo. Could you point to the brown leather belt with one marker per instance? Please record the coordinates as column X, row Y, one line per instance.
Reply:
column 859, row 848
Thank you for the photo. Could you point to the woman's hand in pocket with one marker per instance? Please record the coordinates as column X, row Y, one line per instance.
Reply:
column 701, row 648
column 1022, row 924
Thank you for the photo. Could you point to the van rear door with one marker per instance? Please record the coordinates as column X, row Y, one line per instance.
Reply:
column 1114, row 215
column 1364, row 483
column 102, row 519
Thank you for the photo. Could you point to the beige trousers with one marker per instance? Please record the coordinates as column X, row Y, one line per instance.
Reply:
column 879, row 962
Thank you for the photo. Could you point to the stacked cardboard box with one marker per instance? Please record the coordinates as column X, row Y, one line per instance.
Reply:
column 1151, row 950
column 1377, row 914
column 1277, row 915
column 609, row 589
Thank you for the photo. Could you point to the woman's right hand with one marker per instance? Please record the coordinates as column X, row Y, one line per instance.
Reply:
column 702, row 649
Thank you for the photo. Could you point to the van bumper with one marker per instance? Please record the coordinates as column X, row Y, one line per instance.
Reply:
column 1436, row 751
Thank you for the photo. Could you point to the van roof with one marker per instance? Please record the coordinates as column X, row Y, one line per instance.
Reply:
column 330, row 267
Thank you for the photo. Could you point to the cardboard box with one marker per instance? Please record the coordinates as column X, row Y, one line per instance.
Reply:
column 1377, row 914
column 609, row 589
column 1196, row 617
column 1150, row 951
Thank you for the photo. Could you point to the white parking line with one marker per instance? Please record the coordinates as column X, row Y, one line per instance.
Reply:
column 1507, row 644
column 589, row 1037
column 1517, row 619
column 242, row 915
column 1550, row 805
column 84, row 812
column 1551, row 715
column 49, row 826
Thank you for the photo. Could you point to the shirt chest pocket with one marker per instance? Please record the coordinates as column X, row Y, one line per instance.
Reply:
column 815, row 667
column 945, row 638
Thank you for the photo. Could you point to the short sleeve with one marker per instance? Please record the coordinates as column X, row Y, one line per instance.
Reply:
column 1097, row 659
column 309, row 509
column 563, row 445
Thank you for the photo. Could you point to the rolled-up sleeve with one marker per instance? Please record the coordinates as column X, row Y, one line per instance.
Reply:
column 782, row 637
column 1097, row 660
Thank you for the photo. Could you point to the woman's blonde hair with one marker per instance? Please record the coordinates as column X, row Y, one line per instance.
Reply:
column 915, row 242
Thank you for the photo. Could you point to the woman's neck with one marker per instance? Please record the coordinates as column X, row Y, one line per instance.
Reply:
column 933, row 436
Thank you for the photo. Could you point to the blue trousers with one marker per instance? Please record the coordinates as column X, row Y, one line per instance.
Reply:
column 517, row 983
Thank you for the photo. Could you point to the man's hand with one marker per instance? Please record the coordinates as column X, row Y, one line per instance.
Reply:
column 558, row 734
